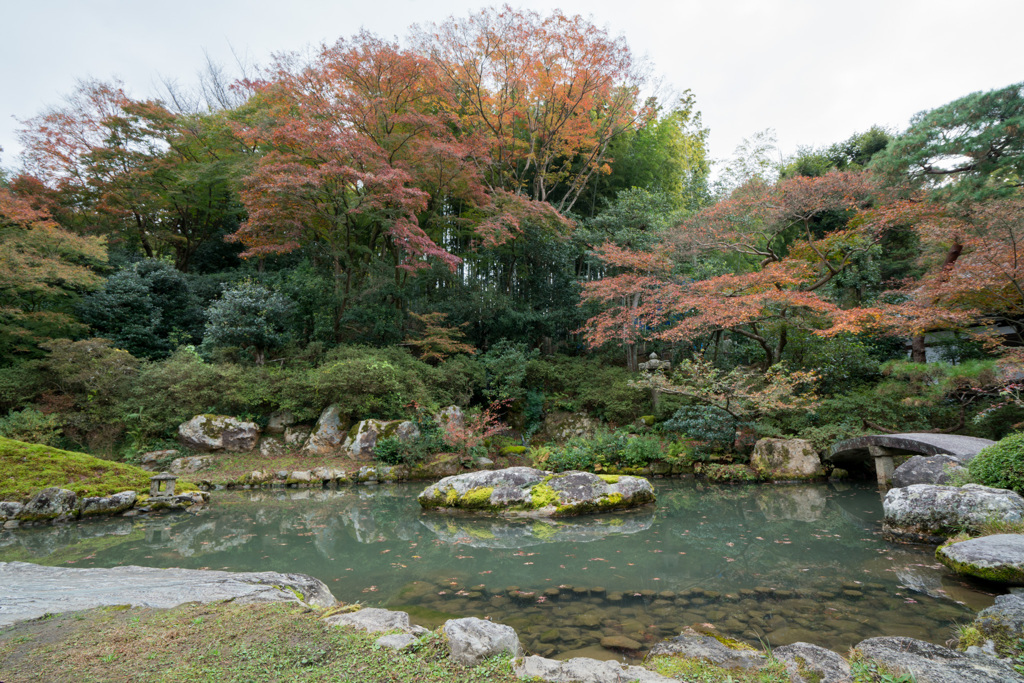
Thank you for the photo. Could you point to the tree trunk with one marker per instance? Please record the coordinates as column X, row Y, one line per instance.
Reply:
column 917, row 349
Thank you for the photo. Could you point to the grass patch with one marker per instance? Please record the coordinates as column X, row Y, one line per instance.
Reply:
column 700, row 671
column 27, row 468
column 222, row 642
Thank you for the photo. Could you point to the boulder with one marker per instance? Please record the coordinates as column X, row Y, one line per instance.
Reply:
column 397, row 641
column 49, row 503
column 930, row 663
column 279, row 421
column 150, row 461
column 110, row 505
column 807, row 663
column 328, row 434
column 373, row 620
column 998, row 558
column 584, row 669
column 10, row 510
column 786, row 459
column 931, row 469
column 561, row 426
column 473, row 640
column 191, row 465
column 272, row 447
column 925, row 513
column 300, row 477
column 362, row 438
column 524, row 490
column 405, row 430
column 296, row 436
column 218, row 433
column 452, row 415
column 714, row 650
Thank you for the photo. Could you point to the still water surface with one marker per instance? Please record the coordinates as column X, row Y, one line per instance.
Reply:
column 774, row 564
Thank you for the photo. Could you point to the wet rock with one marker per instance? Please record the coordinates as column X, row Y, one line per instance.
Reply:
column 191, row 465
column 924, row 513
column 1007, row 614
column 807, row 663
column 936, row 664
column 279, row 421
column 9, row 510
column 28, row 591
column 49, row 503
column 397, row 641
column 329, row 433
column 692, row 645
column 119, row 502
column 149, row 461
column 620, row 643
column 218, row 433
column 473, row 640
column 932, row 469
column 998, row 558
column 584, row 669
column 373, row 619
column 786, row 459
column 271, row 447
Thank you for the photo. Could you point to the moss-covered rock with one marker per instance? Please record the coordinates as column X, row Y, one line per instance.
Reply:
column 998, row 558
column 218, row 433
column 524, row 490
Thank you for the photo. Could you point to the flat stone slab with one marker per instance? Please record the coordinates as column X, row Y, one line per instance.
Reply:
column 998, row 558
column 584, row 669
column 28, row 591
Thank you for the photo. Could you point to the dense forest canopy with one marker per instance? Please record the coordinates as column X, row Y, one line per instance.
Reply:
column 477, row 208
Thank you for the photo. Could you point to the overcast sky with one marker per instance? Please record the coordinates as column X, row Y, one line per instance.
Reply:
column 816, row 71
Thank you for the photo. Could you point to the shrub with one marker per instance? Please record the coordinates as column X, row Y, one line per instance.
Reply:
column 248, row 316
column 1001, row 465
column 505, row 363
column 391, row 450
column 31, row 426
column 714, row 428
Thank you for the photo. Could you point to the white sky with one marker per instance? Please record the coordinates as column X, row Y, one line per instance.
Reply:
column 816, row 71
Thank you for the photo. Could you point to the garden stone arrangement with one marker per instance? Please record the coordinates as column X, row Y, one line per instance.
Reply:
column 528, row 491
column 925, row 513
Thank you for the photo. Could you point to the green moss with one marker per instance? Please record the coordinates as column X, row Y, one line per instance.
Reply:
column 609, row 478
column 611, row 500
column 647, row 420
column 693, row 669
column 1005, row 575
column 513, row 450
column 480, row 497
column 25, row 469
column 451, row 499
column 542, row 495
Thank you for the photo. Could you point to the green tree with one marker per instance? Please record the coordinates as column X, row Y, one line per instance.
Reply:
column 248, row 316
column 146, row 308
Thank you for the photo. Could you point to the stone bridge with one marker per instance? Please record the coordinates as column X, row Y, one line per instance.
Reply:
column 882, row 448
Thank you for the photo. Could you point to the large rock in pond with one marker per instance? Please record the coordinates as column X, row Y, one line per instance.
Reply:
column 1005, row 617
column 328, row 434
column 931, row 469
column 786, row 459
column 524, row 490
column 107, row 505
column 51, row 503
column 923, row 513
column 998, row 558
column 218, row 433
column 930, row 663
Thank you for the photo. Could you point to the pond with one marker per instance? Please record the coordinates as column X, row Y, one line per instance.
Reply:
column 764, row 564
